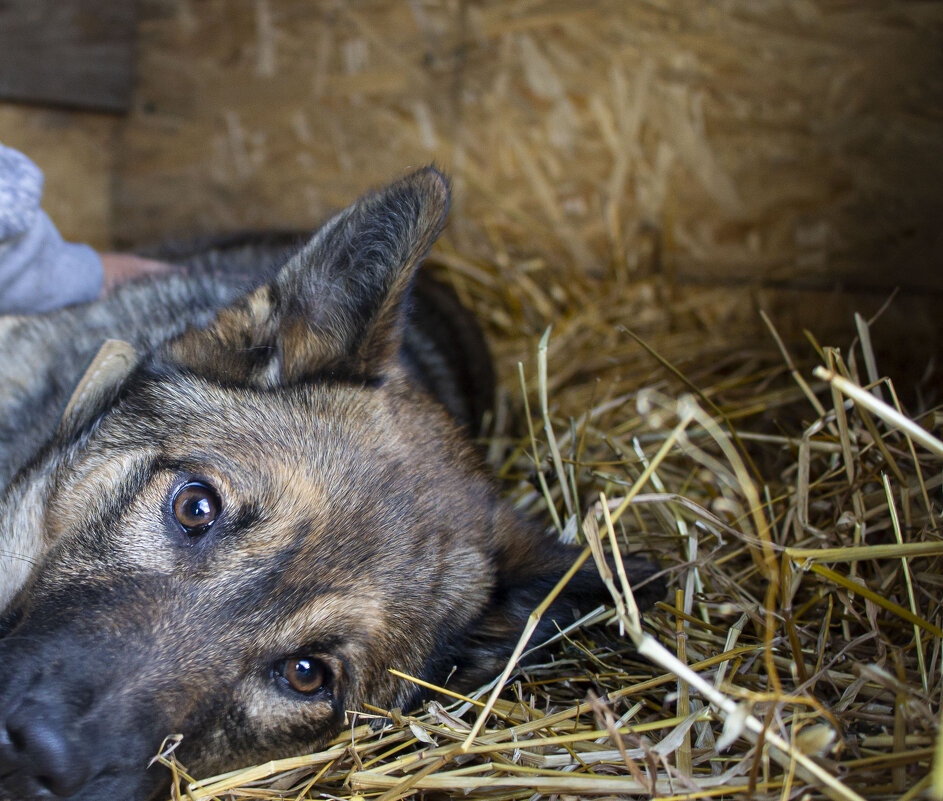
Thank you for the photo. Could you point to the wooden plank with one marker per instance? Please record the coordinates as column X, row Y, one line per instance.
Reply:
column 74, row 53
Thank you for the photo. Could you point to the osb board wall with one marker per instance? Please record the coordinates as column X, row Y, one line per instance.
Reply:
column 738, row 143
column 784, row 141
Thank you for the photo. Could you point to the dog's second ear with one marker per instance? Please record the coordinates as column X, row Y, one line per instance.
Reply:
column 337, row 305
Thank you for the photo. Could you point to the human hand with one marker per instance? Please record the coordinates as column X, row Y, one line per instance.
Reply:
column 121, row 267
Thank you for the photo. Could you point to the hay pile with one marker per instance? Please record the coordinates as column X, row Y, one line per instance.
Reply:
column 798, row 653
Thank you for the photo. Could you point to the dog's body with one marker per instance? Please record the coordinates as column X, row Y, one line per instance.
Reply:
column 236, row 534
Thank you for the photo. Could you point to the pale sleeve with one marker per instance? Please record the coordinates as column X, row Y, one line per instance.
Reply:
column 39, row 271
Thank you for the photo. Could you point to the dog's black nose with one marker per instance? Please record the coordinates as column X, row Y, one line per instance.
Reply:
column 40, row 750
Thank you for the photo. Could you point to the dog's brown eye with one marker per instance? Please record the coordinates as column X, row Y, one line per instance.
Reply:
column 303, row 674
column 196, row 506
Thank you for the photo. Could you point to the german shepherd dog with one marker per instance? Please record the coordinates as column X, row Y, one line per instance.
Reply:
column 254, row 502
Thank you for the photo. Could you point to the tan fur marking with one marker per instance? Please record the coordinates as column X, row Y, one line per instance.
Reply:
column 260, row 304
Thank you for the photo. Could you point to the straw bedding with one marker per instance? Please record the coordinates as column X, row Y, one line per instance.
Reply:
column 796, row 515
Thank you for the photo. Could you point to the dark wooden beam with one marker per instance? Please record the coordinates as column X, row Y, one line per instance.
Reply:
column 74, row 53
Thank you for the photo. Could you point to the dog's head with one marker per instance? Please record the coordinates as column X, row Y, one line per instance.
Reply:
column 263, row 518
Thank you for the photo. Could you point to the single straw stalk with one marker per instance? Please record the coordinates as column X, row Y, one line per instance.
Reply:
column 887, row 413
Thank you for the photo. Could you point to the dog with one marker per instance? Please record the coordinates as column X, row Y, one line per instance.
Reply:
column 259, row 496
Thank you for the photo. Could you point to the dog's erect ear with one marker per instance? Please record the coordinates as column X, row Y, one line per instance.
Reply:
column 337, row 305
column 529, row 564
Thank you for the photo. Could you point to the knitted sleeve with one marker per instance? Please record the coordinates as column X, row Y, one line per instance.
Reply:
column 38, row 270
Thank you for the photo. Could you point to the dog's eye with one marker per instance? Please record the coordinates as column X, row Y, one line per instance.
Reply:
column 303, row 674
column 195, row 507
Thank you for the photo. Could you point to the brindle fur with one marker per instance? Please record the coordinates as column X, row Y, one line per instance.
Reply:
column 328, row 403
